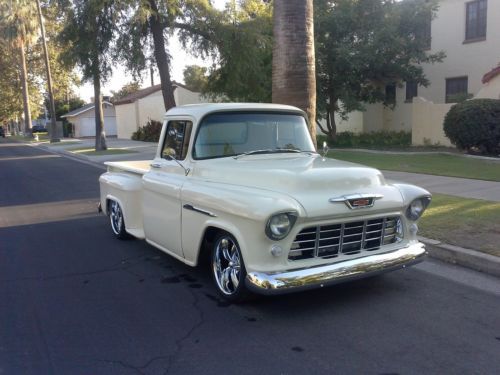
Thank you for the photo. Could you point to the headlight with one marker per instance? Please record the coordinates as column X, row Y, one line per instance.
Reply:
column 279, row 225
column 417, row 208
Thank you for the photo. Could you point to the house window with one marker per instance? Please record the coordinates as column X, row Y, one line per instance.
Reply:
column 475, row 24
column 390, row 94
column 411, row 90
column 456, row 89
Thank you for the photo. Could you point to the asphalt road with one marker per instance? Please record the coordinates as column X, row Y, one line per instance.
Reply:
column 73, row 300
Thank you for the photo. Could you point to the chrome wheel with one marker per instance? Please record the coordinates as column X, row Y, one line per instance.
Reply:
column 116, row 218
column 227, row 265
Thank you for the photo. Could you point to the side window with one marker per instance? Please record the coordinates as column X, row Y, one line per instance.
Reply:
column 177, row 139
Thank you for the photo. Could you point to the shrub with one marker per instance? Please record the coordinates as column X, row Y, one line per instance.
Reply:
column 149, row 132
column 379, row 139
column 474, row 125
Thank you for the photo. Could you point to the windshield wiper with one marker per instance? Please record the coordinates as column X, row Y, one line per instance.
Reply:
column 275, row 151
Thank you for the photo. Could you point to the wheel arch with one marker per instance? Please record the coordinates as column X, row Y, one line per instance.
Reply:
column 210, row 232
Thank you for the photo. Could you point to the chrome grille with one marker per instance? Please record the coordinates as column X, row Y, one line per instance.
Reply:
column 330, row 240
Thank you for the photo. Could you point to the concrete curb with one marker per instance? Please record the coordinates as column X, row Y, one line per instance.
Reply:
column 468, row 258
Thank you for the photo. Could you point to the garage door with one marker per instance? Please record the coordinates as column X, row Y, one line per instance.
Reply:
column 87, row 126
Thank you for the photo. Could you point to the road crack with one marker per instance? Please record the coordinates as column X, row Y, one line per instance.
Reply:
column 180, row 342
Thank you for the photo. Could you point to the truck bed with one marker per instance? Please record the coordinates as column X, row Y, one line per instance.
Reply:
column 138, row 166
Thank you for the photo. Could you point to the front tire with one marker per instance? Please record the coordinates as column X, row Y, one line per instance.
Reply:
column 117, row 220
column 228, row 269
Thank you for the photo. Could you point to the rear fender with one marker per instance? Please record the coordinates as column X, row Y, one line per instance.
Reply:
column 126, row 189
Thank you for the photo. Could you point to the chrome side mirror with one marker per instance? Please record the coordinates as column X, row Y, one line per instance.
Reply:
column 325, row 148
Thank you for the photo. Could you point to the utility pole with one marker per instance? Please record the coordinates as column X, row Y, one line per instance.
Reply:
column 52, row 109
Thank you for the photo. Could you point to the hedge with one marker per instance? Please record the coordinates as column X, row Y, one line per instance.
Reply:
column 149, row 132
column 474, row 126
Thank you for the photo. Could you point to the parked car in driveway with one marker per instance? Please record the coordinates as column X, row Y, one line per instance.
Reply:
column 39, row 129
column 244, row 185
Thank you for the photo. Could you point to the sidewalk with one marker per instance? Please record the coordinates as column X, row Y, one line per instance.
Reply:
column 460, row 187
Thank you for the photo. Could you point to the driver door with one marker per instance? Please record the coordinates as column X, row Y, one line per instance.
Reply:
column 162, row 187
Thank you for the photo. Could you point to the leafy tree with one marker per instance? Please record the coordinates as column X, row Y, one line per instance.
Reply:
column 239, row 40
column 195, row 77
column 294, row 80
column 64, row 106
column 9, row 79
column 126, row 89
column 362, row 46
column 18, row 27
column 142, row 39
column 91, row 29
column 63, row 75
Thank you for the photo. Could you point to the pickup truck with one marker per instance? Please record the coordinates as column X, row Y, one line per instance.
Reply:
column 243, row 186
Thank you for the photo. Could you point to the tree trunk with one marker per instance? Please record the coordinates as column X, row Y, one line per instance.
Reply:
column 52, row 109
column 161, row 57
column 100, row 135
column 294, row 73
column 26, row 99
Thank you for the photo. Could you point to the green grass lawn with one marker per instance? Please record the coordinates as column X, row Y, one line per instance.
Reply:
column 42, row 137
column 92, row 152
column 436, row 164
column 469, row 223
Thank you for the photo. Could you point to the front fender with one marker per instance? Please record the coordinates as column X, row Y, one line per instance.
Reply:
column 241, row 211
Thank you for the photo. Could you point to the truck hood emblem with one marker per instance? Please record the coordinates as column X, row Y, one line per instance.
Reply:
column 356, row 201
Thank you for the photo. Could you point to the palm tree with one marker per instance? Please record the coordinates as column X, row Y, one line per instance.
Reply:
column 52, row 110
column 294, row 74
column 18, row 26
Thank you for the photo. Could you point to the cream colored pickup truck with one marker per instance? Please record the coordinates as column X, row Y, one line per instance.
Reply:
column 244, row 185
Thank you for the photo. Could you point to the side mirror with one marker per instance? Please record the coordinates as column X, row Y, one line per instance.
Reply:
column 325, row 148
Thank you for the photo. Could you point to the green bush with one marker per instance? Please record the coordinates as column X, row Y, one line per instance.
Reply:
column 474, row 125
column 379, row 139
column 149, row 132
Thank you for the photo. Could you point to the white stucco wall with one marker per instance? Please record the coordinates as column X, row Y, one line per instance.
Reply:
column 427, row 120
column 183, row 96
column 150, row 107
column 490, row 90
column 463, row 59
column 473, row 59
column 131, row 116
column 126, row 120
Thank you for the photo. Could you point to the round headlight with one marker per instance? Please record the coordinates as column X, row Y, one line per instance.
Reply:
column 417, row 208
column 279, row 225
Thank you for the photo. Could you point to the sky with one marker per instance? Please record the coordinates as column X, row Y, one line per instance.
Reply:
column 180, row 59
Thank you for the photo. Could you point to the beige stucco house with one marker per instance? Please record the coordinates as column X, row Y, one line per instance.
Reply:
column 136, row 109
column 83, row 120
column 468, row 31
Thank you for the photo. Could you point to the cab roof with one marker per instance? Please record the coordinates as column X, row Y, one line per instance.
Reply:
column 198, row 111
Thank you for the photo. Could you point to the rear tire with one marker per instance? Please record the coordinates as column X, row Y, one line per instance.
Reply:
column 228, row 268
column 117, row 221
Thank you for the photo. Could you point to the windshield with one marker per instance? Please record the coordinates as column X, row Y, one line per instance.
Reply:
column 230, row 134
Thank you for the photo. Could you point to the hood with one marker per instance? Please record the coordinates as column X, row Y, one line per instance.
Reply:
column 310, row 179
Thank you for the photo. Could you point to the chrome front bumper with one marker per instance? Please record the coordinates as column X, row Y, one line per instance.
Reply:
column 317, row 277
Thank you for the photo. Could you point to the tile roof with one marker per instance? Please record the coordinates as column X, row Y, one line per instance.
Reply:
column 491, row 74
column 85, row 108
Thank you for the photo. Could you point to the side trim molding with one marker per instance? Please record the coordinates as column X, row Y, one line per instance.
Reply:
column 199, row 210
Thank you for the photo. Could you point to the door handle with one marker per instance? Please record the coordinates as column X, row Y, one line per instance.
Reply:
column 156, row 165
